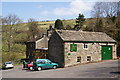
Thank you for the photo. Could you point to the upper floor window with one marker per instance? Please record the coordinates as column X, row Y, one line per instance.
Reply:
column 73, row 47
column 85, row 46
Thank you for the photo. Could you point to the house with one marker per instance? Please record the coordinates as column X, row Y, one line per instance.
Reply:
column 37, row 49
column 70, row 47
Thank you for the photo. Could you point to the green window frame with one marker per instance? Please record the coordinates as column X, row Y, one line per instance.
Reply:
column 73, row 47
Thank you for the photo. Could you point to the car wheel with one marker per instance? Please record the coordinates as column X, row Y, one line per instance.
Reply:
column 39, row 68
column 54, row 67
column 31, row 68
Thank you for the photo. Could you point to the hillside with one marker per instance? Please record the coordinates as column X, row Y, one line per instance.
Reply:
column 19, row 33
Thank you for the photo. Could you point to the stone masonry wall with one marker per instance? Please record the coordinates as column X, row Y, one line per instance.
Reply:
column 56, row 50
column 93, row 50
column 42, row 43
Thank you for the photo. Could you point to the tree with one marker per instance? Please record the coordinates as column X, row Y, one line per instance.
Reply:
column 110, row 12
column 96, row 13
column 118, row 9
column 79, row 21
column 9, row 22
column 58, row 24
column 33, row 29
column 106, row 9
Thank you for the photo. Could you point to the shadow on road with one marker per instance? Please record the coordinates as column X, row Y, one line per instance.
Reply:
column 27, row 70
column 118, row 72
column 6, row 68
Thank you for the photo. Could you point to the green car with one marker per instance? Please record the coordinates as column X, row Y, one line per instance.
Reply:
column 40, row 64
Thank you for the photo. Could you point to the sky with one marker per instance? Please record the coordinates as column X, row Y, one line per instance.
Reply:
column 47, row 10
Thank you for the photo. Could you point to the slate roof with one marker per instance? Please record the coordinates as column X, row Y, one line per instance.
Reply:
column 73, row 35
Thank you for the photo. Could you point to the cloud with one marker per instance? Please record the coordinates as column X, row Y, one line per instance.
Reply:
column 75, row 7
column 81, row 6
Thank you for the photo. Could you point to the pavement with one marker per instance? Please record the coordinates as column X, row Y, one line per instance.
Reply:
column 104, row 69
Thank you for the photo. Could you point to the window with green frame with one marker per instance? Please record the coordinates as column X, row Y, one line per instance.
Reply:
column 73, row 47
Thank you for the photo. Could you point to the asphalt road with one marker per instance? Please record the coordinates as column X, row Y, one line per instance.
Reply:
column 105, row 69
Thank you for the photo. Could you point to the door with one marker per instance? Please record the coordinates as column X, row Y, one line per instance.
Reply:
column 48, row 64
column 106, row 52
column 41, row 63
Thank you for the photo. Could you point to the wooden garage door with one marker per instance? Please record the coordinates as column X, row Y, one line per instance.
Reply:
column 106, row 52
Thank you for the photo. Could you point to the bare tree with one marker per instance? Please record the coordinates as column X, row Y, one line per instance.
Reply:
column 12, row 19
column 108, row 10
column 97, row 13
column 9, row 22
column 33, row 29
column 118, row 9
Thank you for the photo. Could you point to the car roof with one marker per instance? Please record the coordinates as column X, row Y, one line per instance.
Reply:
column 41, row 59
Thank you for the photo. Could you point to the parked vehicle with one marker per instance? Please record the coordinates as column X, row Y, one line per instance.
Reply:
column 7, row 65
column 40, row 64
column 29, row 65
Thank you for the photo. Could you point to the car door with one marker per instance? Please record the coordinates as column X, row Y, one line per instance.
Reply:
column 42, row 64
column 48, row 64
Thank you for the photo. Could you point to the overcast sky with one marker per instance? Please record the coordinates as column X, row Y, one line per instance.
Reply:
column 49, row 9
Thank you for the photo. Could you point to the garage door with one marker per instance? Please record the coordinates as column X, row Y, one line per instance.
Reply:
column 106, row 52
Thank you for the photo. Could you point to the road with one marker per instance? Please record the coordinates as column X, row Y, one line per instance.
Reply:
column 105, row 69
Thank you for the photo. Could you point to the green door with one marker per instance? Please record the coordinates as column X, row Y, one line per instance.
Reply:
column 106, row 52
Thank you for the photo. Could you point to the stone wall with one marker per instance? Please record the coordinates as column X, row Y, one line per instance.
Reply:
column 93, row 50
column 56, row 50
column 42, row 43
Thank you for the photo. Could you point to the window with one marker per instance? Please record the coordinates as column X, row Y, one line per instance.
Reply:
column 85, row 46
column 41, row 62
column 78, row 59
column 73, row 47
column 48, row 62
column 88, row 58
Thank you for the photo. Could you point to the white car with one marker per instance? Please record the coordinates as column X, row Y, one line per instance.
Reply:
column 7, row 65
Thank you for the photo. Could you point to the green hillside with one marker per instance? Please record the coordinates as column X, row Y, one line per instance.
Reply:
column 19, row 34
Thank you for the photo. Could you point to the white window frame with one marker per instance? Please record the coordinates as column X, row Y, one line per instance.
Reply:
column 84, row 45
column 79, row 59
column 89, row 58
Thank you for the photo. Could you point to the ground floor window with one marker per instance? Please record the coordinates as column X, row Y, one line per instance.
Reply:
column 79, row 59
column 88, row 58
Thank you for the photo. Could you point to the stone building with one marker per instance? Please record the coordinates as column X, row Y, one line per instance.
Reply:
column 37, row 49
column 68, row 47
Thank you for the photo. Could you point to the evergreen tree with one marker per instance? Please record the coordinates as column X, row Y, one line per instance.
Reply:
column 58, row 24
column 79, row 21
